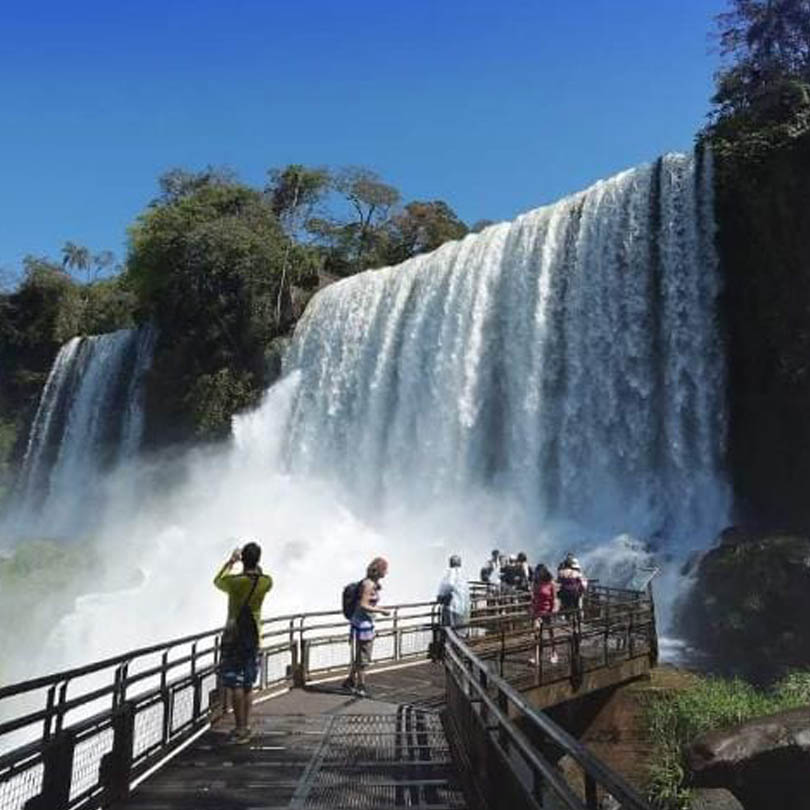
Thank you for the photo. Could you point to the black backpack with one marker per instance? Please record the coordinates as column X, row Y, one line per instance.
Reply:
column 242, row 636
column 351, row 596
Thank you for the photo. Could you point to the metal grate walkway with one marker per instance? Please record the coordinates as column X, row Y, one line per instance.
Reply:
column 311, row 751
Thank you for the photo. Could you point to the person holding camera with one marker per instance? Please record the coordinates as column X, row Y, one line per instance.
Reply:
column 239, row 652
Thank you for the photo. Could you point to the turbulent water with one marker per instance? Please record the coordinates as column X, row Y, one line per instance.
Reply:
column 89, row 420
column 552, row 383
column 569, row 360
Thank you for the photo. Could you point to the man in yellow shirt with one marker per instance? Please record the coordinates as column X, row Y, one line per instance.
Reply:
column 239, row 659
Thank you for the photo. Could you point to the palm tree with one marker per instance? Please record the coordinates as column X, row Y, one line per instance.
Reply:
column 75, row 256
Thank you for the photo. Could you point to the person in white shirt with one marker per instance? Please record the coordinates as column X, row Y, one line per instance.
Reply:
column 454, row 595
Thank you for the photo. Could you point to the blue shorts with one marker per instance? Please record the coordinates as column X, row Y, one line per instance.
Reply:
column 239, row 673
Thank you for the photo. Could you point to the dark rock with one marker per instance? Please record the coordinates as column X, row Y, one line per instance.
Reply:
column 749, row 604
column 714, row 799
column 765, row 762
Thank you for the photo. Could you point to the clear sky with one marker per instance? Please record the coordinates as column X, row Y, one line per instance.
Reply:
column 494, row 107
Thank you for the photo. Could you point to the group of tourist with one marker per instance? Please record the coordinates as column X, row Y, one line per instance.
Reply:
column 247, row 590
column 507, row 571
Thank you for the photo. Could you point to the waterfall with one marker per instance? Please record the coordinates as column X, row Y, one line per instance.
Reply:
column 549, row 384
column 569, row 360
column 89, row 421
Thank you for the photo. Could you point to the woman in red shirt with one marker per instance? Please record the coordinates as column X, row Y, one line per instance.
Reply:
column 544, row 605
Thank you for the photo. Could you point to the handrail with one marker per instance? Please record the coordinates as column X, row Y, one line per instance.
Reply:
column 177, row 692
column 476, row 681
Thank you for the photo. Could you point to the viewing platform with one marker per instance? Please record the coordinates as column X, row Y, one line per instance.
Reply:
column 454, row 719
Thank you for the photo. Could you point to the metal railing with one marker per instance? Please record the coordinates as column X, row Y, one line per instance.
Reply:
column 500, row 740
column 613, row 625
column 78, row 739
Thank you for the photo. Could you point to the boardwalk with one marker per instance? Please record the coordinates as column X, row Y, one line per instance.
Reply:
column 453, row 722
column 322, row 748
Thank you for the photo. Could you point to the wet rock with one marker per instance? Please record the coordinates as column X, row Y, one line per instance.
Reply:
column 764, row 762
column 749, row 604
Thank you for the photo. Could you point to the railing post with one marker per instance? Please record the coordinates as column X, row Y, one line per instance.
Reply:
column 503, row 705
column 51, row 699
column 483, row 682
column 652, row 633
column 397, row 636
column 165, row 695
column 57, row 759
column 590, row 793
column 116, row 767
column 300, row 670
column 630, row 643
column 537, row 786
column 576, row 654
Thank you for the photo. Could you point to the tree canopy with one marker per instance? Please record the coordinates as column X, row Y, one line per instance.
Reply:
column 765, row 43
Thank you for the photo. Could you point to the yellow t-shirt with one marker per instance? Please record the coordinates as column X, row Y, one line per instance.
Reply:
column 238, row 586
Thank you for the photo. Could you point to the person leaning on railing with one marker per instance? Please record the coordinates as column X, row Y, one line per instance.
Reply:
column 239, row 659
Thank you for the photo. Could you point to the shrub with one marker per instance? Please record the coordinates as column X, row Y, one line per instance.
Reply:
column 675, row 719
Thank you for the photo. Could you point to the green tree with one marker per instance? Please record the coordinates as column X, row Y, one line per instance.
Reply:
column 371, row 200
column 207, row 262
column 422, row 227
column 75, row 257
column 294, row 192
column 766, row 43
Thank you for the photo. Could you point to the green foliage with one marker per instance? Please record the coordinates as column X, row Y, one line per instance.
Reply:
column 8, row 439
column 48, row 308
column 109, row 304
column 359, row 242
column 675, row 719
column 295, row 190
column 213, row 266
column 214, row 398
column 766, row 41
column 422, row 227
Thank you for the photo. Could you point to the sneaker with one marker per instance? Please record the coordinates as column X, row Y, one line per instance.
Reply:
column 532, row 662
column 244, row 737
column 361, row 692
column 554, row 658
column 348, row 685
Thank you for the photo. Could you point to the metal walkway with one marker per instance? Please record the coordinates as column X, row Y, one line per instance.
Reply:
column 315, row 749
column 455, row 721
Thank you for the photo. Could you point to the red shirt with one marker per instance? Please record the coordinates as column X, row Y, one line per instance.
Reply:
column 543, row 599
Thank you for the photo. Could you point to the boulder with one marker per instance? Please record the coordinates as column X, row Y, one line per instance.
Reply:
column 765, row 762
column 714, row 799
column 749, row 603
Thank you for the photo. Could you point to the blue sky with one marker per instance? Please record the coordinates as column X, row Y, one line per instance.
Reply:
column 495, row 108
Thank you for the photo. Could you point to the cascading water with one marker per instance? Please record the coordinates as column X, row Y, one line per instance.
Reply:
column 569, row 361
column 545, row 385
column 89, row 419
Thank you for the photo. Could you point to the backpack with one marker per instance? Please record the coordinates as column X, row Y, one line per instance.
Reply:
column 241, row 635
column 351, row 596
column 571, row 589
column 509, row 575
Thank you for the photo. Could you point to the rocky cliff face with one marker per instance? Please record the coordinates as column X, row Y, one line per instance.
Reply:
column 763, row 213
column 749, row 606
